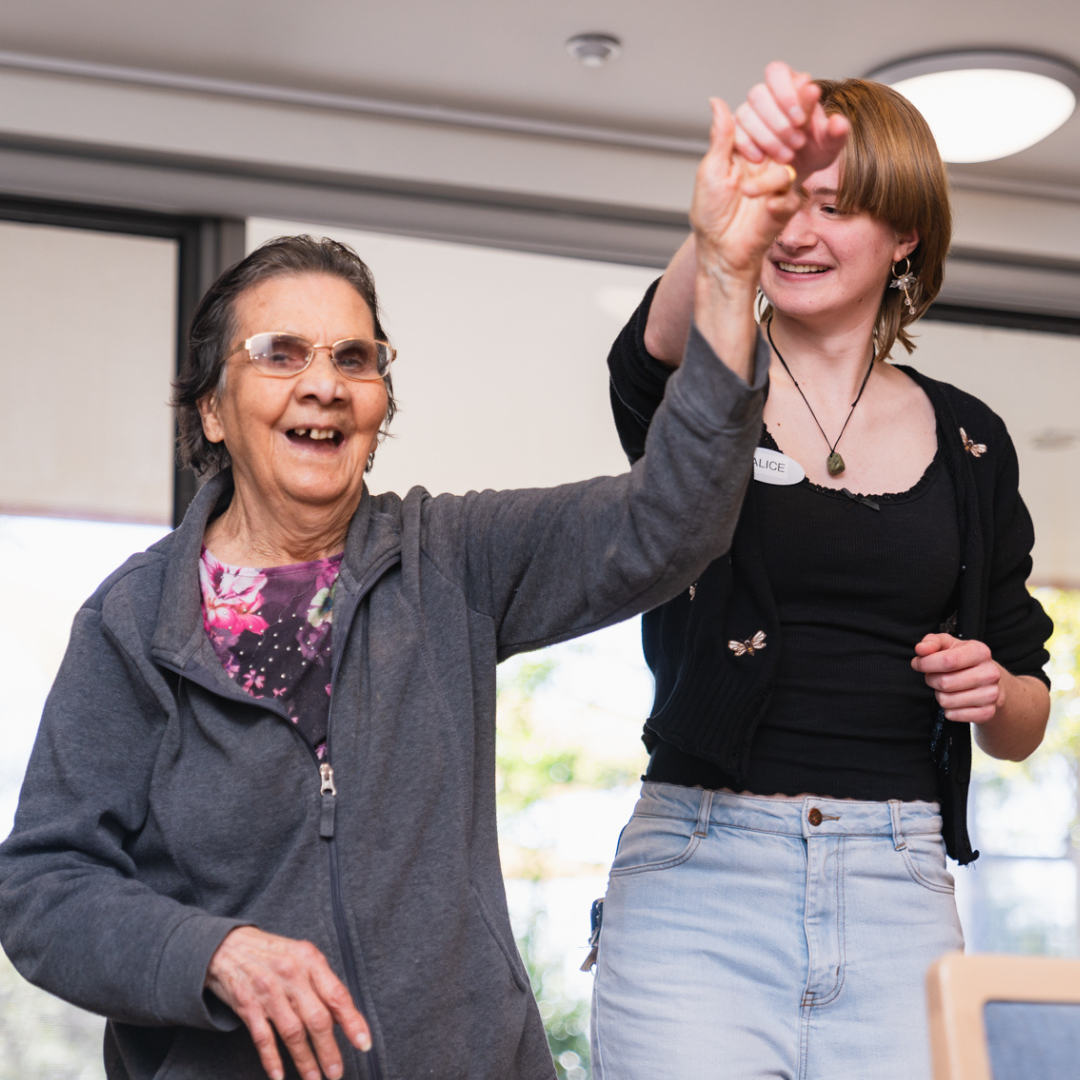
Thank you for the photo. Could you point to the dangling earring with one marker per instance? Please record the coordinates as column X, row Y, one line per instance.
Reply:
column 906, row 280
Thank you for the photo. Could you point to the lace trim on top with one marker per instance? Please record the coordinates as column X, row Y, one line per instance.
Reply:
column 912, row 492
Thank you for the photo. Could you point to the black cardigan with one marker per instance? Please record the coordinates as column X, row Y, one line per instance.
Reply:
column 709, row 700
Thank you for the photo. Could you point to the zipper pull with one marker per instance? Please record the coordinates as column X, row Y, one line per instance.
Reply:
column 326, row 775
column 329, row 802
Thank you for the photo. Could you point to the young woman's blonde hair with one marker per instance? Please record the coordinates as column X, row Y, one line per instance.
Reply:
column 892, row 170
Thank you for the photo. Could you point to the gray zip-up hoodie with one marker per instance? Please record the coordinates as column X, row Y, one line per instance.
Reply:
column 163, row 806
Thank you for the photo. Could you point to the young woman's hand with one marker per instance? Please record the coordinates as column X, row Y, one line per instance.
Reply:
column 277, row 984
column 782, row 119
column 963, row 676
column 1010, row 711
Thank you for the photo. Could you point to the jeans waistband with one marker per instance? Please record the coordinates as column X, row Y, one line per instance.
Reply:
column 806, row 817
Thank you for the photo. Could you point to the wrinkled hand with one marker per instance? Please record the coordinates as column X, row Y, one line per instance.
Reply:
column 964, row 677
column 739, row 206
column 782, row 119
column 273, row 982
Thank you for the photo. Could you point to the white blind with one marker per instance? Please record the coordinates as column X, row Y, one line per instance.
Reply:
column 89, row 325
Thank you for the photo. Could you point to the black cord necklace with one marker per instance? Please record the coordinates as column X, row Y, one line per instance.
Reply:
column 834, row 463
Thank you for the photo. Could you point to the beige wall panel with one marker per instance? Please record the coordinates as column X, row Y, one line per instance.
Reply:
column 1033, row 382
column 89, row 324
column 501, row 375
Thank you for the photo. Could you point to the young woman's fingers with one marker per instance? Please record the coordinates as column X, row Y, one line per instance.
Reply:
column 808, row 91
column 968, row 678
column 761, row 134
column 975, row 698
column 783, row 84
column 746, row 146
column 828, row 133
column 774, row 117
column 954, row 655
column 970, row 716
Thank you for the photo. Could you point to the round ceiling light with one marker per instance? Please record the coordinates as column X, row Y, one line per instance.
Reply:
column 986, row 105
column 594, row 50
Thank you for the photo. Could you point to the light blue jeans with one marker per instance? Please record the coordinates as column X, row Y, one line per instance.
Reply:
column 745, row 938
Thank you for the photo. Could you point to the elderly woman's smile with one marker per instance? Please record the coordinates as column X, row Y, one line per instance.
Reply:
column 298, row 443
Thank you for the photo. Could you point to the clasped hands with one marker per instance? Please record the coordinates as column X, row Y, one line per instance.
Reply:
column 746, row 184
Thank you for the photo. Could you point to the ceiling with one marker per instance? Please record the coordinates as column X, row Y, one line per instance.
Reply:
column 507, row 56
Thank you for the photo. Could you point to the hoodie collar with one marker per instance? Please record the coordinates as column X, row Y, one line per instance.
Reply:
column 373, row 541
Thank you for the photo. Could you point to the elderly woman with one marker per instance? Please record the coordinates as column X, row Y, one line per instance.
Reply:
column 781, row 889
column 261, row 802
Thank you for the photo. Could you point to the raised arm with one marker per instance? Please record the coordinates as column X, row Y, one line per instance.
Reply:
column 549, row 565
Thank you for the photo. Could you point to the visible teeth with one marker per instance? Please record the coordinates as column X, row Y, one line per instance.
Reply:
column 801, row 268
column 315, row 433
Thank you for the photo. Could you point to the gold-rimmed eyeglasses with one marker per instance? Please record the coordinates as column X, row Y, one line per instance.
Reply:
column 283, row 355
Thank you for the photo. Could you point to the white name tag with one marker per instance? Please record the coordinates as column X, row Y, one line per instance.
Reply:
column 772, row 467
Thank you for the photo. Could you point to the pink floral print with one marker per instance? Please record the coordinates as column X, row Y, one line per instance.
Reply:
column 271, row 630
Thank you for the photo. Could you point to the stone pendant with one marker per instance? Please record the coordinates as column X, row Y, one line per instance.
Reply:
column 835, row 464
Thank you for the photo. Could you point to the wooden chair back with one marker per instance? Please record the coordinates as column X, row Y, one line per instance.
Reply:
column 1030, row 1030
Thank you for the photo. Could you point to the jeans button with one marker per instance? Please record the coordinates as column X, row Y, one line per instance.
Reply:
column 814, row 817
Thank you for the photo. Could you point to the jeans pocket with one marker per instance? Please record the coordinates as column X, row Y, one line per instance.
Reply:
column 654, row 843
column 924, row 857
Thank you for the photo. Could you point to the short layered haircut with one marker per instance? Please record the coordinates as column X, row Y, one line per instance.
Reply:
column 213, row 327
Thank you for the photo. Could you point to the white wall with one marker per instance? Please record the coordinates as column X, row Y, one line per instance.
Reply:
column 89, row 347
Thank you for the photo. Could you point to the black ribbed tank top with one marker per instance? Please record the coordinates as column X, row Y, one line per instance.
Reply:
column 855, row 588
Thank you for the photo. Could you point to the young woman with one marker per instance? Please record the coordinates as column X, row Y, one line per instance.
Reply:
column 781, row 888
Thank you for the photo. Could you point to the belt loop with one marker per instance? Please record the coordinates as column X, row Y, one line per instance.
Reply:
column 704, row 813
column 899, row 843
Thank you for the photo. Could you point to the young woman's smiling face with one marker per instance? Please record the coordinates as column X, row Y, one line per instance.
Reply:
column 828, row 266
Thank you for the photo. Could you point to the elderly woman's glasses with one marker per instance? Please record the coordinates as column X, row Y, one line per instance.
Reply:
column 282, row 355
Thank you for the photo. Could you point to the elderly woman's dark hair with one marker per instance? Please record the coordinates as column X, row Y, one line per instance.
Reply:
column 213, row 327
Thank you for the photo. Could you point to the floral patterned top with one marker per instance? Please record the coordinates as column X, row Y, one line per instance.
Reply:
column 271, row 631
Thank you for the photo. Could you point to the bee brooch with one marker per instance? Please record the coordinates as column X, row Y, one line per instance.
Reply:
column 751, row 645
column 975, row 449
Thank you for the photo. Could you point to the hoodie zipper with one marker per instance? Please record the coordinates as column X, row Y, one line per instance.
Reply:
column 327, row 825
column 328, row 793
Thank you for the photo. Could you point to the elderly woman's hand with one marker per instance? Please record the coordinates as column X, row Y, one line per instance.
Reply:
column 782, row 119
column 273, row 982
